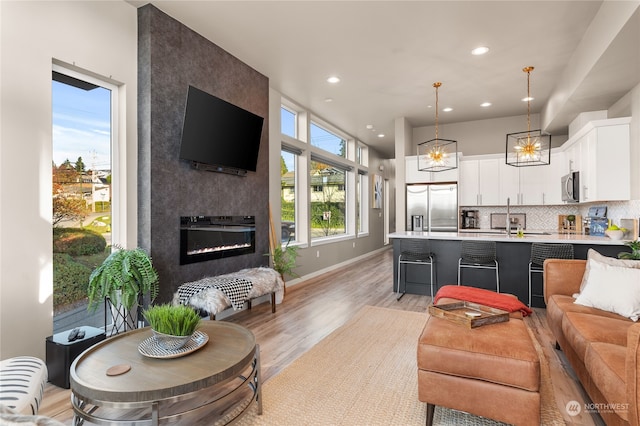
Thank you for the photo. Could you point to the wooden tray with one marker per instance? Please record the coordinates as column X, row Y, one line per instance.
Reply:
column 469, row 314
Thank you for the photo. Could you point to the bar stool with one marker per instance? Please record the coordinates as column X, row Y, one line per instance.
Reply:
column 480, row 255
column 415, row 252
column 542, row 251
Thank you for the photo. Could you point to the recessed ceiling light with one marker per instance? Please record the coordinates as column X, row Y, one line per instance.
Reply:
column 328, row 100
column 381, row 135
column 333, row 79
column 481, row 50
column 485, row 104
column 369, row 126
column 527, row 99
column 447, row 109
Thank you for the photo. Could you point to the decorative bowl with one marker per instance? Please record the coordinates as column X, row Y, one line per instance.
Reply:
column 169, row 342
column 614, row 234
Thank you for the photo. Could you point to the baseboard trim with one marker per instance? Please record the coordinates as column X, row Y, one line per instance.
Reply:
column 267, row 299
column 291, row 283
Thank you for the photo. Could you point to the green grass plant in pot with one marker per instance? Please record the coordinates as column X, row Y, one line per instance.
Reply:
column 173, row 325
column 125, row 276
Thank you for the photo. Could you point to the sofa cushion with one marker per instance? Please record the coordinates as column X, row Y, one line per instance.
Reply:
column 558, row 304
column 612, row 288
column 581, row 329
column 612, row 261
column 606, row 363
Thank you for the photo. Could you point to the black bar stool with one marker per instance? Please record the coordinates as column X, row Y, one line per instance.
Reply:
column 415, row 252
column 542, row 251
column 481, row 255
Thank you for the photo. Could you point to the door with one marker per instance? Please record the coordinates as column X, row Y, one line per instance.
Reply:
column 417, row 204
column 443, row 206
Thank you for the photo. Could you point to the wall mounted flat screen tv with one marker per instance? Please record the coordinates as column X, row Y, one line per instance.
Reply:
column 219, row 134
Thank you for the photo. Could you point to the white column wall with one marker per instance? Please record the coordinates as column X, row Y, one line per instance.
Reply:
column 97, row 36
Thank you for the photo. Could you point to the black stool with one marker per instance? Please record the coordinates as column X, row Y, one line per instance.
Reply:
column 542, row 251
column 415, row 252
column 481, row 255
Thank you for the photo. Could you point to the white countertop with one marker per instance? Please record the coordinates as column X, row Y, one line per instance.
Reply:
column 501, row 236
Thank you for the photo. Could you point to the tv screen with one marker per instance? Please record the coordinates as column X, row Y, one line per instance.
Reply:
column 218, row 133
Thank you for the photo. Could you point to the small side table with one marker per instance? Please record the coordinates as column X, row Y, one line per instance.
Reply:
column 61, row 352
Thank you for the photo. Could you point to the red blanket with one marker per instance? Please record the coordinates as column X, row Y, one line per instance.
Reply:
column 483, row 297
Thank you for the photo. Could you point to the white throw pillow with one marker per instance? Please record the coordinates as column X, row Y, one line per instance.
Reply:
column 594, row 255
column 613, row 289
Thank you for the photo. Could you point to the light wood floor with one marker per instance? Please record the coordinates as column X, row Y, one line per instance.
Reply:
column 313, row 309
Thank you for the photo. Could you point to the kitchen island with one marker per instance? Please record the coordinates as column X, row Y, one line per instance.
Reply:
column 513, row 255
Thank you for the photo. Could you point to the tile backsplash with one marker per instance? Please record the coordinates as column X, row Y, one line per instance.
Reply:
column 546, row 217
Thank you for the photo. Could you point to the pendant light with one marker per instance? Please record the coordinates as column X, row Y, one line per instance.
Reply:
column 437, row 155
column 530, row 148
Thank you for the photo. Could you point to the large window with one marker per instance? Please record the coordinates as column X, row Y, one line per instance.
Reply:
column 328, row 200
column 83, row 136
column 288, row 198
column 328, row 141
column 362, row 206
column 288, row 122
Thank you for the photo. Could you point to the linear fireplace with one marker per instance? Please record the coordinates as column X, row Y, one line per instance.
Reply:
column 214, row 237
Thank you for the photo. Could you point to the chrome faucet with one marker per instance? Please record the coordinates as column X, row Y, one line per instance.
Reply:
column 508, row 227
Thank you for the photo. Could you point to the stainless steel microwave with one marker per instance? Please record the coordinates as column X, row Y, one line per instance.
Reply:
column 571, row 187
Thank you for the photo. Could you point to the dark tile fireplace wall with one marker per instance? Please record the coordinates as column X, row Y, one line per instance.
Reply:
column 170, row 57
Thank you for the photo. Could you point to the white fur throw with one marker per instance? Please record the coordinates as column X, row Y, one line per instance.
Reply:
column 212, row 300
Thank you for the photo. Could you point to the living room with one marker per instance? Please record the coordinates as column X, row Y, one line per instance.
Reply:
column 103, row 38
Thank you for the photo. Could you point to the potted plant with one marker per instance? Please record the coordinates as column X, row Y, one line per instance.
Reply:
column 172, row 325
column 635, row 251
column 284, row 259
column 123, row 277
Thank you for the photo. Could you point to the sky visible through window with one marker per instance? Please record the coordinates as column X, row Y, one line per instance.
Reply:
column 319, row 136
column 81, row 125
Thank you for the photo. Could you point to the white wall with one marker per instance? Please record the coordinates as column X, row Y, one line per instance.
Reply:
column 481, row 136
column 96, row 36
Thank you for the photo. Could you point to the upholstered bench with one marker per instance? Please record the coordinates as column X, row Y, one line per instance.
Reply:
column 491, row 371
column 218, row 293
column 22, row 381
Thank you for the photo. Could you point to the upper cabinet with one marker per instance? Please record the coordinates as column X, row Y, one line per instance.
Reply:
column 533, row 185
column 413, row 175
column 479, row 182
column 605, row 164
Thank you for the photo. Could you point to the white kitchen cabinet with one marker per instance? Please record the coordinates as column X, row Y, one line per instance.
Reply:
column 551, row 187
column 509, row 184
column 533, row 185
column 479, row 182
column 605, row 164
column 413, row 175
column 572, row 159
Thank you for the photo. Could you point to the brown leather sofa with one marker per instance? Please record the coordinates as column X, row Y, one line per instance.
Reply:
column 602, row 347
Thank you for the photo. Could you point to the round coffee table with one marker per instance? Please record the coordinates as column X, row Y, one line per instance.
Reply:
column 216, row 383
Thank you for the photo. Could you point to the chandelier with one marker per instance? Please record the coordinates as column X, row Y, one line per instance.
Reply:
column 437, row 155
column 530, row 148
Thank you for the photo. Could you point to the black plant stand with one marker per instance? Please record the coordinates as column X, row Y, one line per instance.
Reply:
column 123, row 319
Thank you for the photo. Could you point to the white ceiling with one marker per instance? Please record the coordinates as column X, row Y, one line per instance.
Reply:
column 388, row 54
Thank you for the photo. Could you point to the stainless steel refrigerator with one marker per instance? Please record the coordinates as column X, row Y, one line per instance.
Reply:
column 432, row 207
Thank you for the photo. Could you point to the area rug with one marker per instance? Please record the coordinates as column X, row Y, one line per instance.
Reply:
column 364, row 373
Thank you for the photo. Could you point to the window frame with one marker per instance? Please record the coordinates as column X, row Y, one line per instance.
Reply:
column 118, row 159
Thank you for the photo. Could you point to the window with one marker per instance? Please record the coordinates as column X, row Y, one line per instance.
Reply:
column 328, row 206
column 83, row 113
column 362, row 204
column 328, row 141
column 288, row 161
column 288, row 122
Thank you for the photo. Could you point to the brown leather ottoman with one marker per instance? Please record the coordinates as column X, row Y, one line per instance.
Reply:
column 491, row 371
